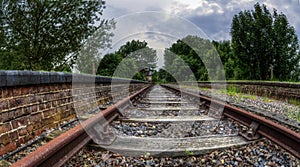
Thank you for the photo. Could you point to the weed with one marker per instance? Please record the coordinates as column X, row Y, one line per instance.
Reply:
column 147, row 154
column 266, row 99
column 295, row 102
column 189, row 152
column 248, row 96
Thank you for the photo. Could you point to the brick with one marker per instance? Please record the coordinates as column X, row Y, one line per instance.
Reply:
column 29, row 99
column 16, row 91
column 49, row 120
column 43, row 89
column 30, row 128
column 37, row 125
column 4, row 139
column 38, row 132
column 59, row 110
column 28, row 137
column 19, row 112
column 5, row 127
column 19, row 122
column 49, row 112
column 3, row 105
column 22, row 140
column 42, row 106
column 36, row 117
column 27, row 110
column 48, row 105
column 8, row 148
column 15, row 102
column 22, row 131
column 13, row 135
column 25, row 90
column 48, row 97
column 6, row 116
column 34, row 108
column 7, row 92
column 38, row 99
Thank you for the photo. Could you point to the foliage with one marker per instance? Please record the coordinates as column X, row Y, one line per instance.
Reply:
column 265, row 45
column 227, row 57
column 89, row 54
column 162, row 76
column 191, row 57
column 45, row 35
column 129, row 61
column 108, row 64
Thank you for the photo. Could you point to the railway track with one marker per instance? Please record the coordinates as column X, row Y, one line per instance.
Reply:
column 161, row 121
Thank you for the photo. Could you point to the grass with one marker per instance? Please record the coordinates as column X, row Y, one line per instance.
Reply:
column 234, row 91
column 266, row 99
column 295, row 102
column 249, row 96
column 189, row 152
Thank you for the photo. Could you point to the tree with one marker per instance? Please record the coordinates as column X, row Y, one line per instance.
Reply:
column 131, row 47
column 89, row 54
column 286, row 59
column 162, row 76
column 256, row 36
column 228, row 58
column 198, row 55
column 137, row 52
column 46, row 35
column 108, row 64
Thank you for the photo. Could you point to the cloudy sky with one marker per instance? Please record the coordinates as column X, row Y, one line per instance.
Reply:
column 213, row 17
column 160, row 22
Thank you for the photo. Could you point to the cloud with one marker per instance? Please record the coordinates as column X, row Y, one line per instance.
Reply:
column 194, row 7
column 213, row 17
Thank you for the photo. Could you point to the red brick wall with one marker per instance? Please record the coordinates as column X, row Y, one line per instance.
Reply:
column 28, row 109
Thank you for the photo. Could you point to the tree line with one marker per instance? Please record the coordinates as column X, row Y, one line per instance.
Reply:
column 264, row 46
column 68, row 35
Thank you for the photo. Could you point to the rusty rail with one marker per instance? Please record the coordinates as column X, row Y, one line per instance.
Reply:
column 59, row 150
column 284, row 137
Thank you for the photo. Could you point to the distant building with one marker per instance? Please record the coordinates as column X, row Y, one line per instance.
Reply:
column 149, row 74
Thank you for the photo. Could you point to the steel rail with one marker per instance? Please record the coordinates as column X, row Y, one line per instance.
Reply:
column 59, row 150
column 279, row 134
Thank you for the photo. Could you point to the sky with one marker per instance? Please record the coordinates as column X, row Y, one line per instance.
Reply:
column 162, row 22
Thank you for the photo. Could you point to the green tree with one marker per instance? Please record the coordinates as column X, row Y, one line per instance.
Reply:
column 162, row 76
column 89, row 54
column 46, row 35
column 108, row 64
column 198, row 54
column 131, row 46
column 256, row 36
column 136, row 53
column 286, row 59
column 228, row 59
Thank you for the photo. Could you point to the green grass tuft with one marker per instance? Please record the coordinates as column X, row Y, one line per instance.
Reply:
column 295, row 102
